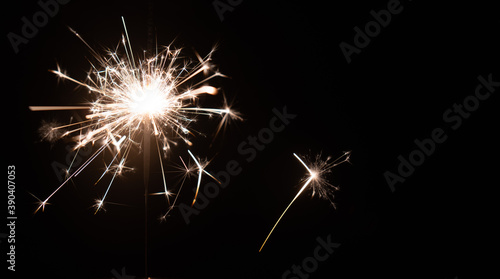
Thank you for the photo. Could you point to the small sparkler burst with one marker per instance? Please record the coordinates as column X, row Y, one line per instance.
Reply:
column 316, row 179
column 134, row 99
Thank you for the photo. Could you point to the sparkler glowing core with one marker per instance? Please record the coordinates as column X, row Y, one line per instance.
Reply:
column 149, row 102
column 150, row 96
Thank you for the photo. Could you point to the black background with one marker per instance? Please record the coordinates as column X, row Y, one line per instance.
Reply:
column 437, row 224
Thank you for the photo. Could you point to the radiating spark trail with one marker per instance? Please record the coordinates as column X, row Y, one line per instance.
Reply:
column 42, row 205
column 129, row 96
column 315, row 177
column 201, row 170
column 186, row 171
column 42, row 108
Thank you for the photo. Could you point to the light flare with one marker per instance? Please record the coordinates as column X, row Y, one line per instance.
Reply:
column 159, row 95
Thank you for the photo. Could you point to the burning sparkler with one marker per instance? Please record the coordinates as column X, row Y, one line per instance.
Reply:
column 135, row 98
column 316, row 179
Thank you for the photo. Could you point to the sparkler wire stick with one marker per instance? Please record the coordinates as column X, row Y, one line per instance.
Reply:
column 146, row 147
column 155, row 96
column 147, row 139
column 134, row 100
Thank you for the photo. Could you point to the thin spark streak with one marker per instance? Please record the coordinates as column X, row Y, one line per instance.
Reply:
column 128, row 40
column 69, row 178
column 107, row 168
column 200, row 172
column 107, row 190
column 43, row 108
column 186, row 173
column 163, row 173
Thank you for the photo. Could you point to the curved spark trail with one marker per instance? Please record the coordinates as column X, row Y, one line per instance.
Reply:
column 316, row 179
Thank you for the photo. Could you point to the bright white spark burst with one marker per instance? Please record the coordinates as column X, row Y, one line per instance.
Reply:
column 317, row 170
column 154, row 95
